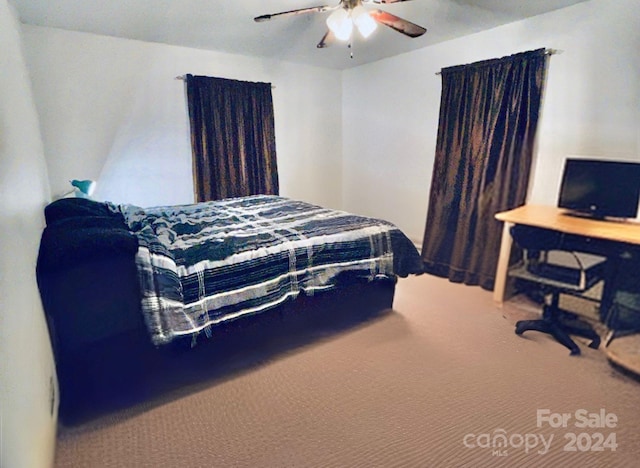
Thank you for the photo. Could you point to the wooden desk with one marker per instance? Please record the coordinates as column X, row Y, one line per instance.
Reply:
column 550, row 217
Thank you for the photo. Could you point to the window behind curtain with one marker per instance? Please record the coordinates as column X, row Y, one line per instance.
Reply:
column 232, row 138
column 486, row 133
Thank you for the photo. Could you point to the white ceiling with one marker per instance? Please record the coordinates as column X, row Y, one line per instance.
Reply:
column 227, row 25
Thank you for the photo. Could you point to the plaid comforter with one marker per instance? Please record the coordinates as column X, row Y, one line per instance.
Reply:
column 211, row 262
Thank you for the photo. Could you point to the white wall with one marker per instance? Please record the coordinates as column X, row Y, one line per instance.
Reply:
column 591, row 108
column 27, row 374
column 112, row 110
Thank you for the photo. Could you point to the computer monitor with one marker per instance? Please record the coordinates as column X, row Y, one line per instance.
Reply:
column 600, row 188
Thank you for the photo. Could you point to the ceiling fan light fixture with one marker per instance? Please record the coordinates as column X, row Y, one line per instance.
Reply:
column 340, row 24
column 363, row 21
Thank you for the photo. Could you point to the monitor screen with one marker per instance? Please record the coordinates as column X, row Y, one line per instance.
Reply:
column 600, row 188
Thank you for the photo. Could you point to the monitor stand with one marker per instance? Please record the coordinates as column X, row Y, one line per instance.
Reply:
column 584, row 214
column 595, row 216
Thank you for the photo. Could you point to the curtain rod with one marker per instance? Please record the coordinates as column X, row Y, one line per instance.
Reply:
column 546, row 52
column 183, row 78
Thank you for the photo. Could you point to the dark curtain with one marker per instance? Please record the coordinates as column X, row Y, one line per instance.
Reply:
column 232, row 138
column 486, row 133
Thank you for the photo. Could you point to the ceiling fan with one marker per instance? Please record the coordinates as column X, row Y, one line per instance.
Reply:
column 350, row 13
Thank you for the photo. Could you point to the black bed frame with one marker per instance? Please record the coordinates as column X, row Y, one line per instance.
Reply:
column 105, row 359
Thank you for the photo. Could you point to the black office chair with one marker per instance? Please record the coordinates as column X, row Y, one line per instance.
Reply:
column 557, row 271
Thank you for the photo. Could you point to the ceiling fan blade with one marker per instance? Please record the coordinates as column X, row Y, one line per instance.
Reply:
column 317, row 9
column 401, row 25
column 386, row 1
column 326, row 40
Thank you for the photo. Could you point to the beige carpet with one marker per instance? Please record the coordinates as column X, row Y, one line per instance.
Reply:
column 428, row 384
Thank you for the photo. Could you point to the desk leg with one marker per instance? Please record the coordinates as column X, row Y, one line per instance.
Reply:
column 503, row 265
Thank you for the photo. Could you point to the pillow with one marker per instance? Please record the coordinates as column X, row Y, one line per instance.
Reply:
column 63, row 246
column 91, row 222
column 74, row 207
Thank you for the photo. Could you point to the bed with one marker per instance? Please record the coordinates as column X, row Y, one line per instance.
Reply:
column 135, row 296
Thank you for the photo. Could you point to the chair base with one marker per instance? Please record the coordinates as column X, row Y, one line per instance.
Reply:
column 552, row 324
